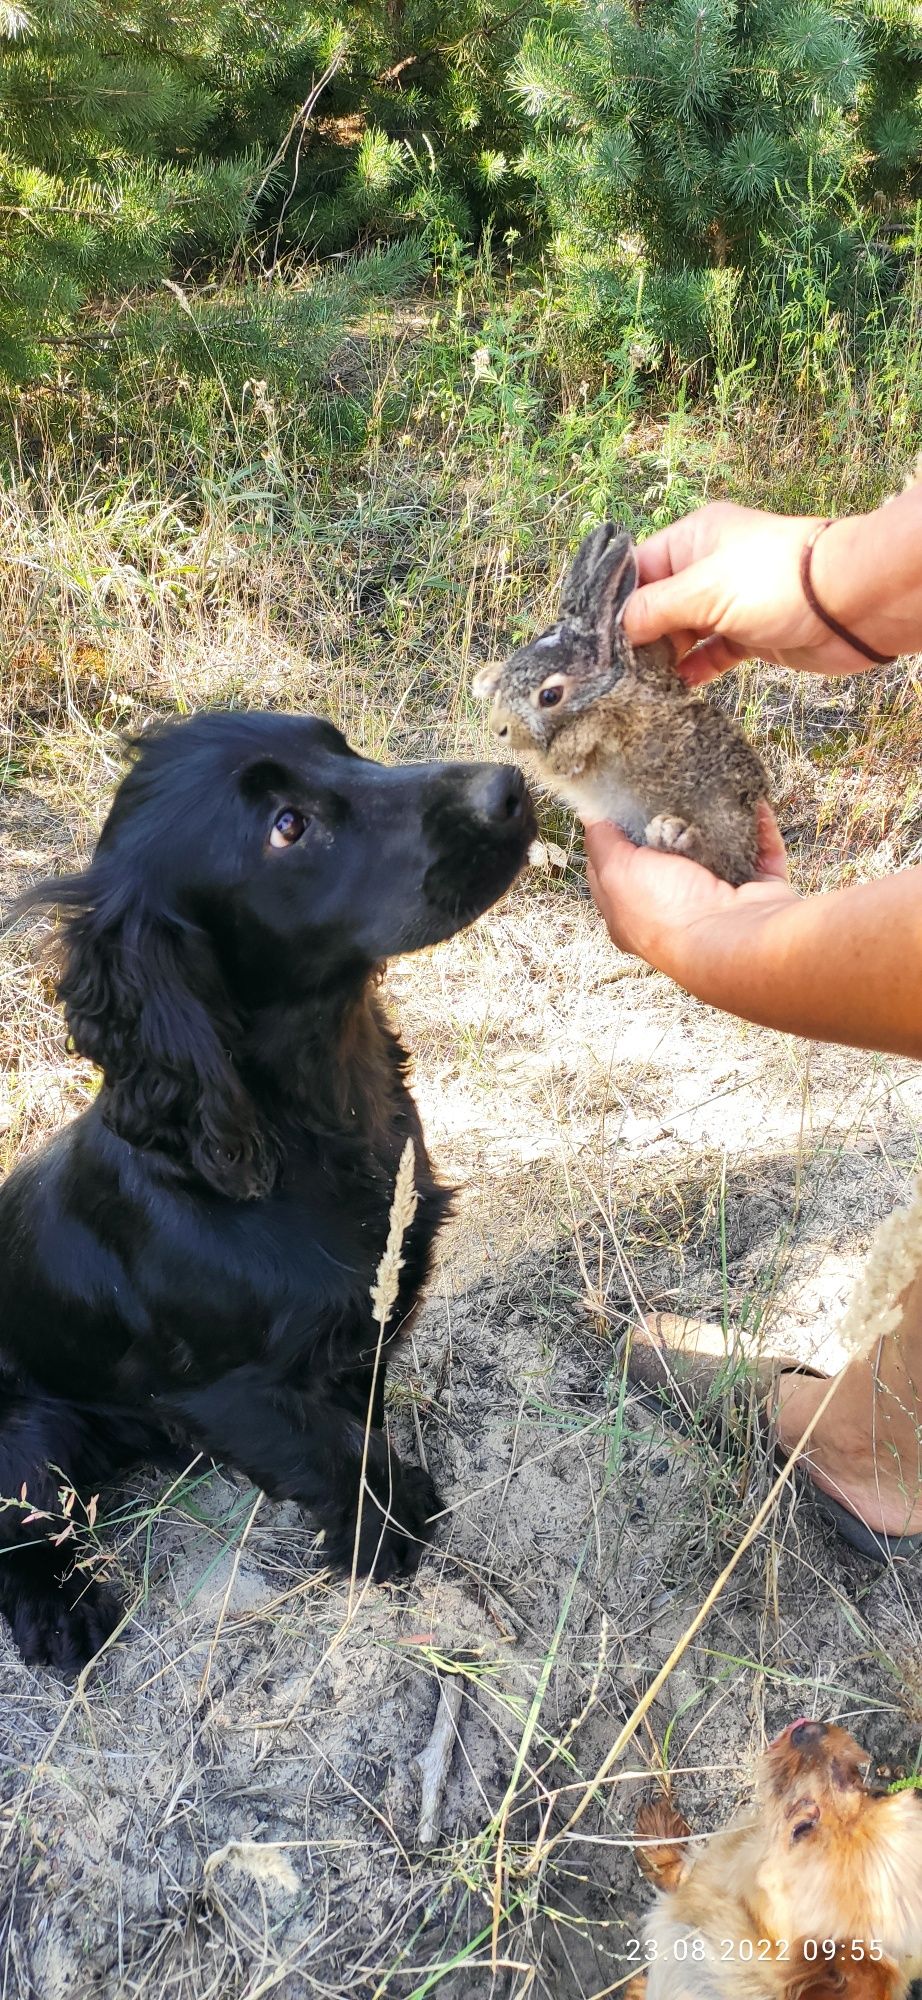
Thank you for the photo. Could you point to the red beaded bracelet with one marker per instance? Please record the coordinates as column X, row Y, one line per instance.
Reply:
column 841, row 631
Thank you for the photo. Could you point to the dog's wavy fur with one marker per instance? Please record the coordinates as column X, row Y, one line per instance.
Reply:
column 188, row 1266
column 825, row 1857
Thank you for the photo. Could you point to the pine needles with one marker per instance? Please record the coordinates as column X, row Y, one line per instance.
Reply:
column 715, row 138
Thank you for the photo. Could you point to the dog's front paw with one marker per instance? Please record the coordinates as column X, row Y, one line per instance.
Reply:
column 395, row 1527
column 64, row 1622
column 399, row 1541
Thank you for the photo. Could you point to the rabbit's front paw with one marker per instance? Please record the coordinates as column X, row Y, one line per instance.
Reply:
column 674, row 836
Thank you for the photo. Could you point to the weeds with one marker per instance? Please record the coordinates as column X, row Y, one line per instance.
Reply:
column 618, row 1151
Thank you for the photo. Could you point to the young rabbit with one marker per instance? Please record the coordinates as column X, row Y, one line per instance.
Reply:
column 615, row 732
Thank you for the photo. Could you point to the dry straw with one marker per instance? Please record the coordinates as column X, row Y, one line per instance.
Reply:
column 894, row 1259
column 383, row 1298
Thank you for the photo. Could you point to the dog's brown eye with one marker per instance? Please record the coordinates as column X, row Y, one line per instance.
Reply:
column 548, row 697
column 287, row 827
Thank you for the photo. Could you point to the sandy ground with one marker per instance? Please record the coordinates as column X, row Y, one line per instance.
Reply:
column 229, row 1808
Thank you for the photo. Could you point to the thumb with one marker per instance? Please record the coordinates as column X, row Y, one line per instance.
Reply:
column 609, row 852
column 605, row 841
column 681, row 605
column 773, row 860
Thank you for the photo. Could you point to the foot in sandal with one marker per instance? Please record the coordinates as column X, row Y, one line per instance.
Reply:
column 863, row 1462
column 864, row 1454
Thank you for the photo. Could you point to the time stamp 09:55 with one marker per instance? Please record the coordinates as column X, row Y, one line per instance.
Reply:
column 696, row 1950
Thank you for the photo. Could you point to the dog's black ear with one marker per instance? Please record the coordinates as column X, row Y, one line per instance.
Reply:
column 144, row 999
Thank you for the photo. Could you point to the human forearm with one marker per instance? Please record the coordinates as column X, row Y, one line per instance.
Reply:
column 725, row 583
column 845, row 967
column 867, row 571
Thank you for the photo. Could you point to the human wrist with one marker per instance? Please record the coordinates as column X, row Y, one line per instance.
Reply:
column 726, row 957
column 866, row 571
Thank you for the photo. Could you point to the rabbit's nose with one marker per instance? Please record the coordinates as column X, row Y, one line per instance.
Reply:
column 499, row 721
column 485, row 683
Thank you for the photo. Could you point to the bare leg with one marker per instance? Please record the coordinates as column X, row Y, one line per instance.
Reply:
column 867, row 1448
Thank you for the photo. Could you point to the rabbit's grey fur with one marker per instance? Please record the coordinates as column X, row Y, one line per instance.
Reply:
column 625, row 739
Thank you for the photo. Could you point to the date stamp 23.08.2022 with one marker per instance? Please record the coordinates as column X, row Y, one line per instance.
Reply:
column 696, row 1950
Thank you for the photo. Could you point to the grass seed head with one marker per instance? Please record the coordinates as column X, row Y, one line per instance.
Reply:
column 403, row 1208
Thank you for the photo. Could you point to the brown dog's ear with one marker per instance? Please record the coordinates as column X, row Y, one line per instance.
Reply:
column 802, row 1817
column 636, row 1988
column 662, row 1841
column 845, row 1977
column 816, row 1981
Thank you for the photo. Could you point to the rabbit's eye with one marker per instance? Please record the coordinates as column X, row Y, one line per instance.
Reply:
column 548, row 697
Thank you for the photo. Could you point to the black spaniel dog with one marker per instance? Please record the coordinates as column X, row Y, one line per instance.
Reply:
column 187, row 1267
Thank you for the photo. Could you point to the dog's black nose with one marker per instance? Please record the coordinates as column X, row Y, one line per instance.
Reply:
column 498, row 793
column 805, row 1733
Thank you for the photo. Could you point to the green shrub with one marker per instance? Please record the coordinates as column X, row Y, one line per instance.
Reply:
column 142, row 146
column 777, row 139
column 197, row 201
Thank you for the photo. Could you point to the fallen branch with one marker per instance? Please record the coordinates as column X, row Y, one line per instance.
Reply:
column 434, row 1762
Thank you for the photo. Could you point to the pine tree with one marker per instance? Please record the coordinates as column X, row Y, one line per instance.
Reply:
column 682, row 157
column 104, row 178
column 420, row 130
column 679, row 139
column 161, row 143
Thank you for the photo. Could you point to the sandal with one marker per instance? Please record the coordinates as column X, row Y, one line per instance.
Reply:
column 690, row 1362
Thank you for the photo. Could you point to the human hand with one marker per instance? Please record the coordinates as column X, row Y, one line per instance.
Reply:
column 842, row 967
column 729, row 578
column 676, row 914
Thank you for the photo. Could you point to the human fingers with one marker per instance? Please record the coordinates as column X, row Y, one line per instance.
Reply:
column 664, row 553
column 647, row 898
column 773, row 859
column 610, row 859
column 688, row 602
column 707, row 660
column 607, row 848
column 695, row 535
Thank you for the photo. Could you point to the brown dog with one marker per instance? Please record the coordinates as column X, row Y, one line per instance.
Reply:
column 818, row 1894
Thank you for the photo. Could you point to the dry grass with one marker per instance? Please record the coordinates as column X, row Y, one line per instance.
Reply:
column 227, row 1805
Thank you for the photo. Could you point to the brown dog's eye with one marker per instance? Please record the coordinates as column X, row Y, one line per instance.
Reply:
column 548, row 697
column 287, row 827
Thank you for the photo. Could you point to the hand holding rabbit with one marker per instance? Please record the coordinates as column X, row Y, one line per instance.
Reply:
column 612, row 729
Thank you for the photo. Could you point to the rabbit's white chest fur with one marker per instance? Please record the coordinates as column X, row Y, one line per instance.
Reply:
column 603, row 795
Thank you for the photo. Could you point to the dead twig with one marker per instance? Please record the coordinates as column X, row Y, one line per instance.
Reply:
column 298, row 124
column 384, row 1293
column 434, row 1762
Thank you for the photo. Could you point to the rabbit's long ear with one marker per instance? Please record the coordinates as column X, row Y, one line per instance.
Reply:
column 599, row 581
